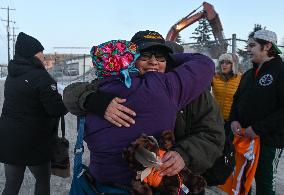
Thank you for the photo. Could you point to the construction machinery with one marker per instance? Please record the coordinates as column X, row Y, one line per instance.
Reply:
column 220, row 44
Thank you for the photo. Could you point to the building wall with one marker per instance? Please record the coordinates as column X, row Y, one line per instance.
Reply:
column 80, row 60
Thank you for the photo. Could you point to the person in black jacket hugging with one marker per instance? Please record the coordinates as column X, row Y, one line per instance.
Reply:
column 31, row 106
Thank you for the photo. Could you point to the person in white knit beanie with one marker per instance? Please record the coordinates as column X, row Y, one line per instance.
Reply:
column 225, row 83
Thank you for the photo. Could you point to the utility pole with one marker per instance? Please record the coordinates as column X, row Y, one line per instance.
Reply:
column 55, row 58
column 8, row 28
column 84, row 68
column 14, row 38
column 234, row 43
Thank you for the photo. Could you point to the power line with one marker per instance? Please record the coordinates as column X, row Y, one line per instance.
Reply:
column 14, row 38
column 1, row 32
column 12, row 3
column 2, row 22
column 8, row 28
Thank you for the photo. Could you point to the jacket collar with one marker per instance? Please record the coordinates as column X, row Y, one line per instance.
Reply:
column 20, row 65
column 267, row 64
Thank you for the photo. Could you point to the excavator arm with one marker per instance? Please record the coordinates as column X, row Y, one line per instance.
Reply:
column 211, row 15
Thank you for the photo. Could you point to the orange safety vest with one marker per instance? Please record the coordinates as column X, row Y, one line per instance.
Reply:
column 247, row 155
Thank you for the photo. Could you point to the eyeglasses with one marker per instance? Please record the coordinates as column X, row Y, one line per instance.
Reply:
column 145, row 56
column 225, row 62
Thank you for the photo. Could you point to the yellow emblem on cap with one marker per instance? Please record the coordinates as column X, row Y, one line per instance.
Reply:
column 152, row 35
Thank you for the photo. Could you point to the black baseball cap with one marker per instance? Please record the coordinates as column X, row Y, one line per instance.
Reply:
column 148, row 39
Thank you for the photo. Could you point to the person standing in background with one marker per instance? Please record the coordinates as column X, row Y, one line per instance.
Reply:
column 258, row 106
column 31, row 106
column 224, row 85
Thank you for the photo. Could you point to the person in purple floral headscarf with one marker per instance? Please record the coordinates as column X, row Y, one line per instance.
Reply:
column 115, row 58
column 156, row 97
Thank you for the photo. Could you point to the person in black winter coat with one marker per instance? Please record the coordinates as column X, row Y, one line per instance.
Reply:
column 30, row 110
column 258, row 106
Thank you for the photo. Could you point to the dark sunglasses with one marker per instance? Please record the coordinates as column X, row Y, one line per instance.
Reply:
column 147, row 55
column 225, row 62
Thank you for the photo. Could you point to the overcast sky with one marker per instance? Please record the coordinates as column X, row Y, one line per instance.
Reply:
column 85, row 23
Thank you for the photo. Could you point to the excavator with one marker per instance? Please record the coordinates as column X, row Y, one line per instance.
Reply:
column 220, row 45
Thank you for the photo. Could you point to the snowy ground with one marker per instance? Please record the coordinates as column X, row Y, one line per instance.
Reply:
column 61, row 186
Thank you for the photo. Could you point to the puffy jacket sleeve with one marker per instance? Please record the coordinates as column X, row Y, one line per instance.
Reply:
column 82, row 97
column 49, row 96
column 192, row 76
column 200, row 133
column 74, row 96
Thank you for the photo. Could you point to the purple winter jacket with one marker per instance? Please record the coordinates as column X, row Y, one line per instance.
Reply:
column 156, row 99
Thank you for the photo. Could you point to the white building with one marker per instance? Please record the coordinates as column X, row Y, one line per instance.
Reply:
column 78, row 64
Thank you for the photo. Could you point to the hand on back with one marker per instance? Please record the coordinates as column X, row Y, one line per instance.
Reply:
column 118, row 114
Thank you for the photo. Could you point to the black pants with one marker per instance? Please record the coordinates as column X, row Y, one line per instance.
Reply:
column 265, row 176
column 15, row 174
